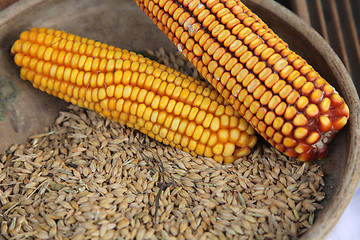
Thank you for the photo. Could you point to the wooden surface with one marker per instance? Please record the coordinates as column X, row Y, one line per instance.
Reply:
column 338, row 22
column 108, row 21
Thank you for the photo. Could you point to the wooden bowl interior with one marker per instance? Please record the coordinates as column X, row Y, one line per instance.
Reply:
column 123, row 24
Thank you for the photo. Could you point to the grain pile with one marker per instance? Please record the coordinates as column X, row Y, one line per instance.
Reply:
column 89, row 178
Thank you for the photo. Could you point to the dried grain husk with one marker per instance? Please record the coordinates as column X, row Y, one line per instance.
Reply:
column 87, row 177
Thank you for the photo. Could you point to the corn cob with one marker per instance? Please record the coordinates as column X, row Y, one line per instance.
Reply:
column 272, row 87
column 166, row 105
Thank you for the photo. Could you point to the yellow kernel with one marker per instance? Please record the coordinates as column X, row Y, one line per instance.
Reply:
column 287, row 129
column 248, row 100
column 161, row 117
column 274, row 102
column 93, row 79
column 234, row 135
column 164, row 102
column 280, row 65
column 190, row 129
column 156, row 129
column 266, row 53
column 224, row 121
column 63, row 87
column 182, row 126
column 119, row 91
column 269, row 118
column 94, row 95
column 147, row 114
column 274, row 58
column 175, row 124
column 88, row 64
column 198, row 132
column 200, row 149
column 127, row 92
column 300, row 120
column 223, row 135
column 312, row 110
column 76, row 92
column 290, row 113
column 154, row 116
column 289, row 142
column 102, row 94
column 112, row 103
column 156, row 102
column 208, row 152
column 141, row 95
column 215, row 124
column 271, row 80
column 313, row 138
column 243, row 140
column 339, row 123
column 281, row 108
column 307, row 88
column 190, row 98
column 204, row 138
column 170, row 137
column 170, row 106
column 316, row 96
column 205, row 104
column 286, row 93
column 266, row 97
column 192, row 145
column 185, row 111
column 73, row 76
column 254, row 107
column 162, row 134
column 324, row 124
column 149, row 98
column 286, row 71
column 104, row 104
column 126, row 64
column 300, row 132
column 299, row 82
column 278, row 123
column 178, row 108
column 260, row 114
column 119, row 64
column 126, row 77
column 110, row 65
column 218, row 149
column 228, row 150
column 302, row 102
column 47, row 53
column 200, row 117
column 208, row 120
column 81, row 62
column 278, row 138
column 278, row 86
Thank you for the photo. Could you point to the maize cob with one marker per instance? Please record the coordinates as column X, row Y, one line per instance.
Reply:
column 166, row 105
column 272, row 87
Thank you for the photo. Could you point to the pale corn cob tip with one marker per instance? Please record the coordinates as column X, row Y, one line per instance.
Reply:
column 167, row 105
column 272, row 87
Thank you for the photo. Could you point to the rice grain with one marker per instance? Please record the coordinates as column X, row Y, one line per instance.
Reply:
column 88, row 177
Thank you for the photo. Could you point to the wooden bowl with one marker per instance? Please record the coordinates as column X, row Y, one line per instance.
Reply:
column 25, row 111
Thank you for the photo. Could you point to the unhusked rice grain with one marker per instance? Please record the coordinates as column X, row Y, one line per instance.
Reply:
column 87, row 177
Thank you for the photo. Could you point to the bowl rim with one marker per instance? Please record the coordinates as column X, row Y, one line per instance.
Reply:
column 348, row 186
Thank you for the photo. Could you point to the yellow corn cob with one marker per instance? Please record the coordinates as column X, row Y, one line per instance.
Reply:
column 272, row 87
column 167, row 105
